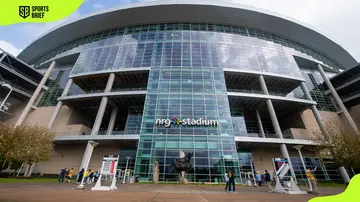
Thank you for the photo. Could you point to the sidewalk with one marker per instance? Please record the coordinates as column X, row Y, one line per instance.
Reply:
column 54, row 192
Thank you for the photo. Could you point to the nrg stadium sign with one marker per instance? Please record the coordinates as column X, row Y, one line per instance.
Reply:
column 187, row 122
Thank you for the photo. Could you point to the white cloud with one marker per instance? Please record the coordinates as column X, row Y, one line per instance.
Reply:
column 36, row 30
column 98, row 6
column 337, row 19
column 8, row 47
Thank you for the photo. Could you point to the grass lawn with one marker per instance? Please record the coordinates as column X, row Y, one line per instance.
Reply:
column 335, row 185
column 15, row 180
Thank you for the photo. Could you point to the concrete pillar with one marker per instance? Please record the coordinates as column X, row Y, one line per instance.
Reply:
column 86, row 155
column 344, row 175
column 334, row 103
column 104, row 101
column 276, row 125
column 110, row 82
column 338, row 100
column 35, row 94
column 112, row 121
column 59, row 104
column 54, row 114
column 314, row 109
column 263, row 85
column 274, row 119
column 285, row 154
column 99, row 116
column 261, row 128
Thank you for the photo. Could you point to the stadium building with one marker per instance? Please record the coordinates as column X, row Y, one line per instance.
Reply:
column 235, row 85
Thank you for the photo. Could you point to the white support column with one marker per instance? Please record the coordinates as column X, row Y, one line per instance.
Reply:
column 276, row 125
column 261, row 128
column 104, row 101
column 59, row 104
column 112, row 121
column 338, row 100
column 99, row 116
column 110, row 82
column 86, row 159
column 35, row 94
column 314, row 109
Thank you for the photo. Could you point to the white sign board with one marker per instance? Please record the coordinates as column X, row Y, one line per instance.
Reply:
column 109, row 167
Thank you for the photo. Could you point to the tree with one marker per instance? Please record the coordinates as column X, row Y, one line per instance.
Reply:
column 339, row 143
column 36, row 145
column 7, row 145
column 27, row 144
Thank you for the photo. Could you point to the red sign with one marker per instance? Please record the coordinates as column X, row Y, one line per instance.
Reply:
column 112, row 166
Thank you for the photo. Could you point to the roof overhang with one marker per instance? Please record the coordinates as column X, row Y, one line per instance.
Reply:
column 167, row 11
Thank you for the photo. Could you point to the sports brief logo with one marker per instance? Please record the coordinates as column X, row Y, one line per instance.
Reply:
column 34, row 11
column 186, row 122
column 24, row 11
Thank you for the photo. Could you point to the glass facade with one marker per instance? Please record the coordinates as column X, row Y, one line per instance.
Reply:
column 186, row 106
column 142, row 46
column 195, row 92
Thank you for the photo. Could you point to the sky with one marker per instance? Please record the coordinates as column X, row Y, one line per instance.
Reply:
column 338, row 20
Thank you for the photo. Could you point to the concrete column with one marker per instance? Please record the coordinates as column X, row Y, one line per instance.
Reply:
column 274, row 119
column 104, row 101
column 112, row 121
column 86, row 155
column 67, row 87
column 261, row 128
column 54, row 114
column 35, row 94
column 99, row 116
column 334, row 103
column 338, row 100
column 110, row 82
column 276, row 125
column 285, row 154
column 86, row 159
column 314, row 109
column 344, row 175
column 59, row 104
column 263, row 85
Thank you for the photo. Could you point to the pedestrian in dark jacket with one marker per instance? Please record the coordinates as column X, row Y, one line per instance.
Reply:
column 62, row 175
column 80, row 176
column 268, row 180
column 231, row 177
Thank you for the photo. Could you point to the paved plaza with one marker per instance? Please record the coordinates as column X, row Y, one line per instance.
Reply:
column 53, row 192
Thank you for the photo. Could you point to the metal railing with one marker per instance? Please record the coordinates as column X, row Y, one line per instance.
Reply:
column 128, row 89
column 17, row 86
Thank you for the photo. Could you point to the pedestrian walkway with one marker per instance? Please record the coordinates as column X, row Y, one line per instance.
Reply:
column 54, row 192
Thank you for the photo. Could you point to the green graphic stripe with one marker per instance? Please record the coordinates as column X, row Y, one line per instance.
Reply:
column 36, row 11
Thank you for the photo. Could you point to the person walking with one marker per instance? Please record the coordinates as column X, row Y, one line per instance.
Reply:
column 258, row 179
column 69, row 175
column 62, row 175
column 268, row 180
column 97, row 174
column 80, row 176
column 86, row 176
column 231, row 180
column 312, row 181
column 226, row 181
column 91, row 176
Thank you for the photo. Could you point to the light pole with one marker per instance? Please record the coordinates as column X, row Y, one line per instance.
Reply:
column 127, row 162
column 298, row 148
column 7, row 96
column 91, row 144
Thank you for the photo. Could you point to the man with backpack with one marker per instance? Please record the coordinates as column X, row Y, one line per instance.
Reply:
column 268, row 180
column 231, row 177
